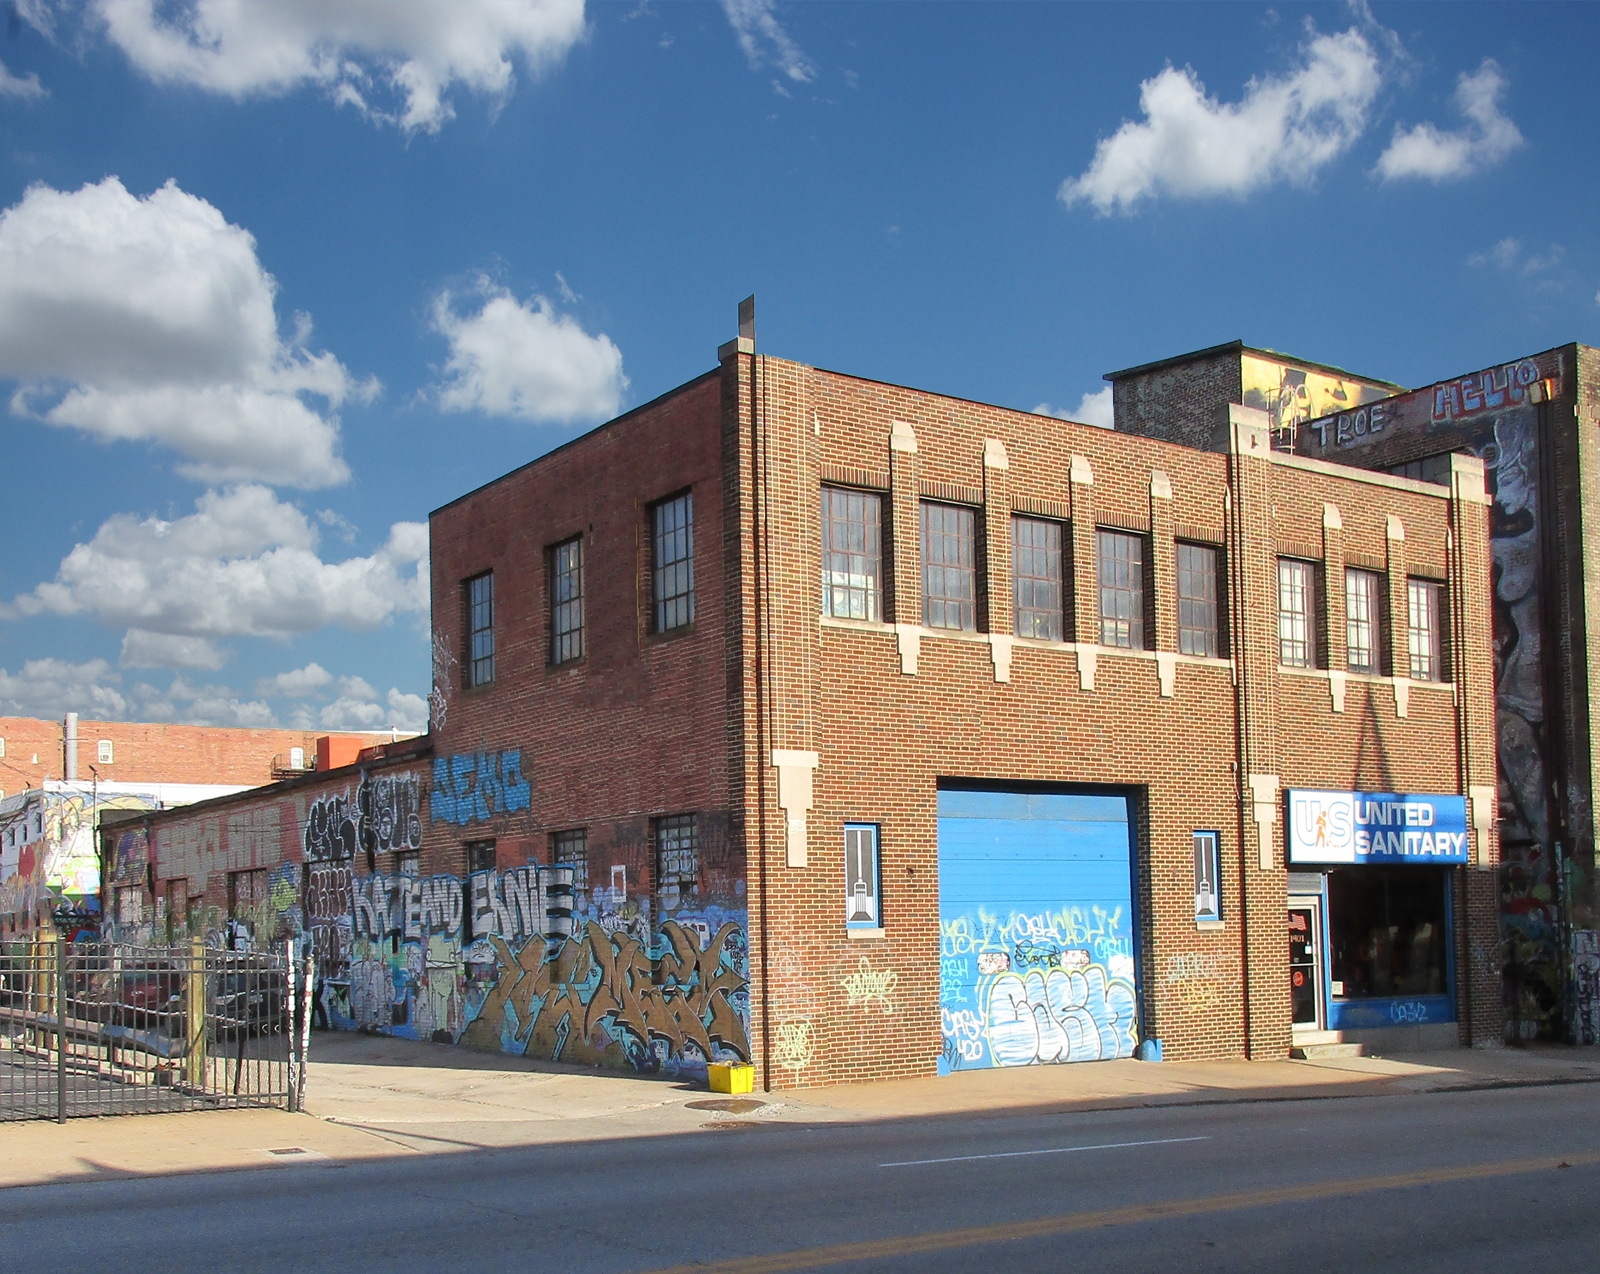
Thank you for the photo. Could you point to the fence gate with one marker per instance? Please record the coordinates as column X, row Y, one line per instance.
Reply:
column 108, row 1029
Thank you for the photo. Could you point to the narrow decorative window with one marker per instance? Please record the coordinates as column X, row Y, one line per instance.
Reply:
column 1297, row 643
column 861, row 877
column 1120, row 567
column 949, row 567
column 479, row 597
column 1363, row 592
column 1425, row 629
column 566, row 601
column 677, row 863
column 571, row 849
column 672, row 562
column 1199, row 602
column 1037, row 579
column 1207, row 878
column 852, row 554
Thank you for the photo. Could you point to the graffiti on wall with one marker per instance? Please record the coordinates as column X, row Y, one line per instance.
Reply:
column 1586, row 986
column 481, row 962
column 385, row 816
column 1290, row 394
column 474, row 787
column 1022, row 988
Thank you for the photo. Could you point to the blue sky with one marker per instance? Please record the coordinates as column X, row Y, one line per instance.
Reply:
column 276, row 280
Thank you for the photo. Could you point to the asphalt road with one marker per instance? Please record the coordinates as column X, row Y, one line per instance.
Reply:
column 1462, row 1181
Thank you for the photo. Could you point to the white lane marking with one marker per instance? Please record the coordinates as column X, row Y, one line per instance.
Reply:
column 1058, row 1150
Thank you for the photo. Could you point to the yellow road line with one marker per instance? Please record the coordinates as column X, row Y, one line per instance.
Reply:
column 1044, row 1227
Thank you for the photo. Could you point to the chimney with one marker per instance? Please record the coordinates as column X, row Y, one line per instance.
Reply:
column 69, row 769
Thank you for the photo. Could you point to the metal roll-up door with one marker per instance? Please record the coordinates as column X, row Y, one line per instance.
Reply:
column 1036, row 929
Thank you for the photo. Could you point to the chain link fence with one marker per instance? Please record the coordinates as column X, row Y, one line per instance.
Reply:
column 107, row 1029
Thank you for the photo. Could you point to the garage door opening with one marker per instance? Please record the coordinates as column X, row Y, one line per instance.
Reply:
column 1036, row 927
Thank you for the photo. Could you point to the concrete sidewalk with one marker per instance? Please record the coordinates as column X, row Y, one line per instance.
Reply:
column 372, row 1097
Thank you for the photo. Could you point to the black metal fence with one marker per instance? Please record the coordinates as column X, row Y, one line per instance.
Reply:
column 107, row 1029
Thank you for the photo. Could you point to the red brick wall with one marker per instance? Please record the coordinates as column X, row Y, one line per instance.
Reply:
column 150, row 753
column 885, row 738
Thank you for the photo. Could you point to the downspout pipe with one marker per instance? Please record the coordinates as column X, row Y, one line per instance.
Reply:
column 69, row 765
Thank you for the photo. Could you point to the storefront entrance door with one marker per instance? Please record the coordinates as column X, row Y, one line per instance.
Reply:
column 1305, row 962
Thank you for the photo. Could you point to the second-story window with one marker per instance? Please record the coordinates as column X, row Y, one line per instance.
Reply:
column 566, row 601
column 1363, row 592
column 949, row 566
column 1037, row 579
column 852, row 554
column 1120, row 568
column 480, row 629
column 1425, row 629
column 1297, row 595
column 1199, row 601
column 672, row 561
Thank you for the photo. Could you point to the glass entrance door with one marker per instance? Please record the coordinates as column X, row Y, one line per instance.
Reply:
column 1305, row 962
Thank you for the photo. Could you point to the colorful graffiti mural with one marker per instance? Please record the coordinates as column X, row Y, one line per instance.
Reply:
column 1290, row 394
column 475, row 787
column 485, row 962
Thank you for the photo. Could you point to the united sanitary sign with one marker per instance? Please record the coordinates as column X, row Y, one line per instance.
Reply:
column 1376, row 827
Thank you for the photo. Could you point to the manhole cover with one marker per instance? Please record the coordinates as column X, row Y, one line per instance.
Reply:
column 731, row 1125
column 734, row 1105
column 287, row 1150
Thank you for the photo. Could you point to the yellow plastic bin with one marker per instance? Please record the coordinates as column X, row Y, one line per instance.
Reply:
column 731, row 1079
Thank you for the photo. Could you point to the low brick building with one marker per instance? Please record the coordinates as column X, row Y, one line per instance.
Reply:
column 857, row 731
column 65, row 776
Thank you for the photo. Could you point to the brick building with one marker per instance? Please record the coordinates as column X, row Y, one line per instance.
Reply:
column 65, row 776
column 1532, row 421
column 859, row 731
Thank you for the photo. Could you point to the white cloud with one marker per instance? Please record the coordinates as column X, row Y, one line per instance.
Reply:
column 243, row 564
column 1094, row 408
column 522, row 359
column 1430, row 152
column 152, row 319
column 763, row 39
column 399, row 711
column 50, row 688
column 1284, row 128
column 356, row 688
column 1507, row 255
column 412, row 52
column 26, row 87
column 141, row 649
column 296, row 684
column 216, row 705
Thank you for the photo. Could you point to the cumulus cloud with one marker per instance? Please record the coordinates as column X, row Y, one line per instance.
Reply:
column 1190, row 145
column 295, row 684
column 25, row 87
column 1094, row 408
column 208, row 705
column 1488, row 137
column 51, row 688
column 141, row 649
column 153, row 320
column 398, row 711
column 764, row 40
column 522, row 359
column 362, row 53
column 243, row 564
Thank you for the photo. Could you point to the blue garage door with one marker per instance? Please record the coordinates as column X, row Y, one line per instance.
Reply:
column 1036, row 929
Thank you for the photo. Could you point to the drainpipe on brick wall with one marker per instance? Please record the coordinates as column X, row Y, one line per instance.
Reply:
column 1236, row 611
column 69, row 748
column 758, row 495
